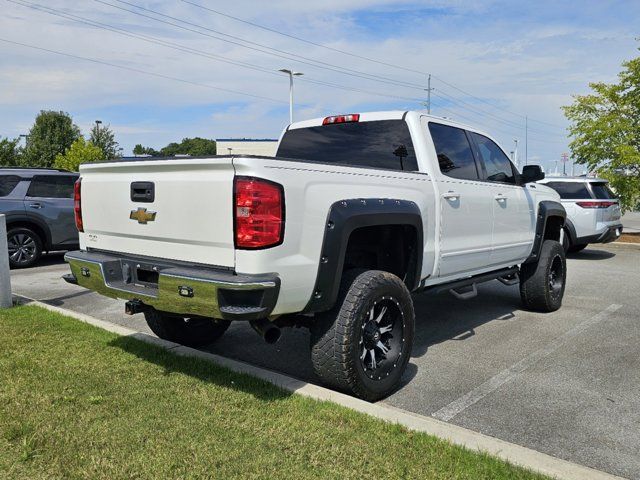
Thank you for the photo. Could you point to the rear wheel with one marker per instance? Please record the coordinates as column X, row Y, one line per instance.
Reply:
column 362, row 346
column 190, row 331
column 25, row 247
column 542, row 284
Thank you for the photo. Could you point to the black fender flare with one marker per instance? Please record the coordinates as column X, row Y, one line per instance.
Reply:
column 25, row 219
column 343, row 218
column 546, row 209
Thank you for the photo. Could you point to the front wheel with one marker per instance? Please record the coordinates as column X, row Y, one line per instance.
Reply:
column 362, row 346
column 542, row 284
column 189, row 331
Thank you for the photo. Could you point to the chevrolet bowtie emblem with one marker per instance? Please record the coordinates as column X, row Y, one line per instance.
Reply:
column 142, row 216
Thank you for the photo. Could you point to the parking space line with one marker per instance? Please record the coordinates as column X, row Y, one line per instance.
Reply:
column 449, row 411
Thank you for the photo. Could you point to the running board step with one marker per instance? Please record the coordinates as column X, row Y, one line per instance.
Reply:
column 470, row 293
column 509, row 275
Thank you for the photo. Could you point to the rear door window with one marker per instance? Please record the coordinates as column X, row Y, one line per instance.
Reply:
column 602, row 191
column 496, row 163
column 570, row 190
column 379, row 144
column 50, row 186
column 455, row 157
column 8, row 184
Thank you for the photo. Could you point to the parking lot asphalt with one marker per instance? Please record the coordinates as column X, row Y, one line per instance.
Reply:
column 566, row 383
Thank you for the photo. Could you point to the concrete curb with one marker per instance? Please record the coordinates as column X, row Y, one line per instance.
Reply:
column 516, row 454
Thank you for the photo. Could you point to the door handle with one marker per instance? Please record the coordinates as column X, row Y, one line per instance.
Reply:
column 453, row 196
column 35, row 205
column 500, row 198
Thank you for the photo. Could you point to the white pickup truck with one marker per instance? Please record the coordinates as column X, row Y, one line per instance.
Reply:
column 334, row 233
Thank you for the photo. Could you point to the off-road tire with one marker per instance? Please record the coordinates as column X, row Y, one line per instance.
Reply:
column 542, row 284
column 337, row 335
column 25, row 237
column 192, row 332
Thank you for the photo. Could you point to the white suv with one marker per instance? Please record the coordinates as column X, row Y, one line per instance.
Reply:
column 593, row 212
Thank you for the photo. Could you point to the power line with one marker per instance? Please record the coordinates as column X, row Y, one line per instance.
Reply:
column 362, row 57
column 273, row 30
column 235, row 40
column 137, row 70
column 190, row 50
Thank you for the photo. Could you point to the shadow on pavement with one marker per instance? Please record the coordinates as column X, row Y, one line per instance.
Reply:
column 141, row 345
column 442, row 317
column 591, row 254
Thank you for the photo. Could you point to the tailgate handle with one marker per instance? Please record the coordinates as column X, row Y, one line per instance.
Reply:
column 143, row 192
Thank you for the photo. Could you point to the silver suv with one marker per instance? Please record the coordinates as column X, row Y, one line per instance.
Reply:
column 593, row 212
column 38, row 205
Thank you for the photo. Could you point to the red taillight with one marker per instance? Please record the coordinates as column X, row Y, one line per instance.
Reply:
column 259, row 213
column 596, row 204
column 77, row 207
column 353, row 117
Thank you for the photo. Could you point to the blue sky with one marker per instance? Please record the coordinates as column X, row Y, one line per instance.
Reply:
column 493, row 62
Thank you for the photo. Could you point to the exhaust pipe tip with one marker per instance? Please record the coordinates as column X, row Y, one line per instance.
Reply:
column 272, row 335
column 267, row 330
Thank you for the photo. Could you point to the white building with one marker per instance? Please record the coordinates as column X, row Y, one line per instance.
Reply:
column 265, row 147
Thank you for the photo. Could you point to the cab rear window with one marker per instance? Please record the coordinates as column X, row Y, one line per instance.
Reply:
column 8, row 184
column 570, row 190
column 378, row 144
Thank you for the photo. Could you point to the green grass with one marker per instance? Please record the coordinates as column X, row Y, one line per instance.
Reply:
column 79, row 402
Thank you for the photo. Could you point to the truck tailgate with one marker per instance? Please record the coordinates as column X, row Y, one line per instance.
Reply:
column 192, row 204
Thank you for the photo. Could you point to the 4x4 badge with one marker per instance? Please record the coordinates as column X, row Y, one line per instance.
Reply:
column 142, row 216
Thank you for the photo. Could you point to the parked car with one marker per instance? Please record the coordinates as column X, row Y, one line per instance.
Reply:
column 354, row 213
column 38, row 205
column 593, row 211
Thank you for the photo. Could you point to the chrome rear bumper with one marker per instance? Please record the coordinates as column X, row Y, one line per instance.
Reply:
column 175, row 287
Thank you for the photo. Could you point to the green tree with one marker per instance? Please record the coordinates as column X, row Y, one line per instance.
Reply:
column 140, row 150
column 80, row 151
column 10, row 152
column 51, row 134
column 190, row 146
column 104, row 138
column 606, row 132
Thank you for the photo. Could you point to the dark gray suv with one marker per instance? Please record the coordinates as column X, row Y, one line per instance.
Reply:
column 38, row 204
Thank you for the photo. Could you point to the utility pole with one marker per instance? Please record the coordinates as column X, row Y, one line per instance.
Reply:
column 564, row 157
column 526, row 140
column 428, row 90
column 291, row 74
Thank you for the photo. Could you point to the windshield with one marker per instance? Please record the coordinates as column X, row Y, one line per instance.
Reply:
column 380, row 144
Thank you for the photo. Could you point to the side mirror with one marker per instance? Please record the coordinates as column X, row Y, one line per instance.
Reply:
column 531, row 173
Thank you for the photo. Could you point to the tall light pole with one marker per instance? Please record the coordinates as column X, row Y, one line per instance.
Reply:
column 98, row 123
column 291, row 74
column 515, row 155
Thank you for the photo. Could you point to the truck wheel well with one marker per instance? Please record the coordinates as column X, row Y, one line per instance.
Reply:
column 391, row 248
column 31, row 226
column 553, row 228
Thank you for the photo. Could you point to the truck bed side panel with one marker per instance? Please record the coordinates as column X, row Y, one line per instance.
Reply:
column 310, row 190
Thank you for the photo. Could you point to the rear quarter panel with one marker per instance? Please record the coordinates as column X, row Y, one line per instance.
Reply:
column 310, row 190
